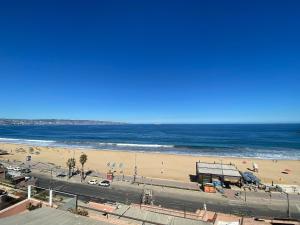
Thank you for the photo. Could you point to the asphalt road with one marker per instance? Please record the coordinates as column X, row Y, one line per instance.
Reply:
column 168, row 199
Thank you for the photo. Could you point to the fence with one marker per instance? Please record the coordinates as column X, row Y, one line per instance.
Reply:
column 58, row 199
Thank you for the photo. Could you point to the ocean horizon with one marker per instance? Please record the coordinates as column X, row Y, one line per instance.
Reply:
column 264, row 141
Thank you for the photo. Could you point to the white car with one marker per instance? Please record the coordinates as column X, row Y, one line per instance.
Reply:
column 93, row 181
column 10, row 168
column 104, row 183
column 17, row 169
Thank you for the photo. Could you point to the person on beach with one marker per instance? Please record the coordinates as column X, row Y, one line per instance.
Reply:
column 255, row 167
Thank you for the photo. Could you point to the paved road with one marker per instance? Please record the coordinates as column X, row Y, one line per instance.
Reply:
column 36, row 165
column 174, row 199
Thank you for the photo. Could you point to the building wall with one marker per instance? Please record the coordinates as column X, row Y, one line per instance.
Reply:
column 204, row 178
column 232, row 179
column 18, row 208
column 15, row 209
column 207, row 178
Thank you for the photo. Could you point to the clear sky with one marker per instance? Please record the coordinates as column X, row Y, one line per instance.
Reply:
column 151, row 61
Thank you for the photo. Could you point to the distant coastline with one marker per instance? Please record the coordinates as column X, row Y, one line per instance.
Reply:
column 43, row 122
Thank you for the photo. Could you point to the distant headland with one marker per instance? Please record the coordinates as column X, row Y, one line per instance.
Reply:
column 23, row 122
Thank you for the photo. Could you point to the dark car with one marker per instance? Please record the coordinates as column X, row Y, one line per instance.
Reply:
column 26, row 170
column 88, row 172
column 76, row 172
column 61, row 175
column 104, row 183
column 3, row 192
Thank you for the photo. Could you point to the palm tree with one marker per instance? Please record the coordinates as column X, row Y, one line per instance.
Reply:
column 71, row 164
column 83, row 159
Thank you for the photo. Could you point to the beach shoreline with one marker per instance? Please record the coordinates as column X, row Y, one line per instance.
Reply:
column 36, row 143
column 151, row 164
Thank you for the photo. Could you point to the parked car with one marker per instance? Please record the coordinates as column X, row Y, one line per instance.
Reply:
column 61, row 174
column 3, row 192
column 10, row 168
column 76, row 172
column 93, row 181
column 17, row 169
column 26, row 170
column 88, row 172
column 104, row 183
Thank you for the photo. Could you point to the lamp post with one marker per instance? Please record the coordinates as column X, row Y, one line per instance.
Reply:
column 222, row 182
column 135, row 169
column 51, row 181
column 288, row 204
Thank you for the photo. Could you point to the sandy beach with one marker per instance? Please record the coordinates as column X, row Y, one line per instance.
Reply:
column 156, row 165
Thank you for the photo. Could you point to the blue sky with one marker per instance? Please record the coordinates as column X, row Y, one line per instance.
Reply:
column 151, row 61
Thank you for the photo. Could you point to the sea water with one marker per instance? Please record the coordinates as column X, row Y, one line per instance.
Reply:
column 268, row 141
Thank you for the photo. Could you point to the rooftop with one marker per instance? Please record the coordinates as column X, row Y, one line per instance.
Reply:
column 155, row 217
column 49, row 216
column 217, row 169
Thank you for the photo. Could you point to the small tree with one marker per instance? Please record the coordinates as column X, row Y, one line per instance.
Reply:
column 83, row 159
column 71, row 164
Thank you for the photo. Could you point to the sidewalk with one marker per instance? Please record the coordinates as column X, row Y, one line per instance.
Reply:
column 127, row 180
column 168, row 183
column 151, row 181
column 140, row 180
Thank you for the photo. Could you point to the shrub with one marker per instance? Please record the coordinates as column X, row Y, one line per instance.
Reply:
column 79, row 211
column 42, row 196
column 31, row 207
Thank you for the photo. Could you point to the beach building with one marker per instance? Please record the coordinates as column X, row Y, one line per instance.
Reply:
column 217, row 172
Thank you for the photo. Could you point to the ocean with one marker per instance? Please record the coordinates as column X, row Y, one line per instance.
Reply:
column 267, row 141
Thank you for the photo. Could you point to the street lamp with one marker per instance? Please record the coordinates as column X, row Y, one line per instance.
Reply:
column 288, row 201
column 288, row 204
column 135, row 169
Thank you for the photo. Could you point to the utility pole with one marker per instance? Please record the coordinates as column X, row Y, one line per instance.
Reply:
column 76, row 202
